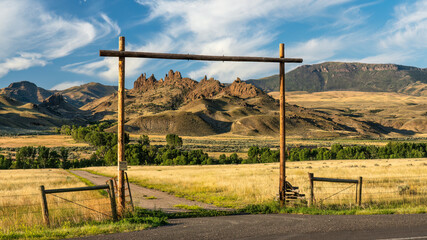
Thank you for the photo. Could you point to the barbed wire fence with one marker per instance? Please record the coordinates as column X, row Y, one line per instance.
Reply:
column 376, row 191
column 24, row 211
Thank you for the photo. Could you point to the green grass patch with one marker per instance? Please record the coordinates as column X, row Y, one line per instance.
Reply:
column 334, row 209
column 73, row 230
column 151, row 197
column 133, row 221
column 88, row 183
column 187, row 207
column 205, row 196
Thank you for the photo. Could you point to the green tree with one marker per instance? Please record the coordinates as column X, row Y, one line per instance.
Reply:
column 5, row 162
column 43, row 157
column 53, row 159
column 144, row 140
column 63, row 152
column 173, row 140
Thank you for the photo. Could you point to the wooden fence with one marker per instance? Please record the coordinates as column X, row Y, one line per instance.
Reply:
column 358, row 183
column 109, row 187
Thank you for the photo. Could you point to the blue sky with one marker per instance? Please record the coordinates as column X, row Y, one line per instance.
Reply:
column 55, row 43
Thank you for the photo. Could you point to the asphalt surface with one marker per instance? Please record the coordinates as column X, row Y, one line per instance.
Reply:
column 286, row 226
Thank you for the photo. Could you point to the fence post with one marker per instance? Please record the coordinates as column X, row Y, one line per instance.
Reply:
column 282, row 178
column 360, row 191
column 120, row 124
column 310, row 200
column 112, row 196
column 45, row 210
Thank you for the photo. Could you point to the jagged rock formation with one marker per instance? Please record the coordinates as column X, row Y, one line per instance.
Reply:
column 191, row 90
column 187, row 107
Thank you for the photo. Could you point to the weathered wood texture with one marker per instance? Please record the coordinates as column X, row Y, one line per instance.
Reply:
column 282, row 178
column 120, row 131
column 45, row 209
column 358, row 183
column 112, row 196
column 77, row 189
column 112, row 53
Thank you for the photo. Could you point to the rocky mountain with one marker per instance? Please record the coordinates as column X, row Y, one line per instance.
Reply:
column 184, row 106
column 24, row 107
column 26, row 92
column 339, row 76
column 19, row 117
column 86, row 93
column 176, row 104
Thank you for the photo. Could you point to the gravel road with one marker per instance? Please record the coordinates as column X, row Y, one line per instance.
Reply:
column 149, row 198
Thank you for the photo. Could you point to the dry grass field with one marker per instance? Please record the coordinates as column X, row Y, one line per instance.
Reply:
column 39, row 140
column 20, row 206
column 395, row 110
column 384, row 181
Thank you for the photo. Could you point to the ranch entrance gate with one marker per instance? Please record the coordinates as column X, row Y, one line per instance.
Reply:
column 122, row 54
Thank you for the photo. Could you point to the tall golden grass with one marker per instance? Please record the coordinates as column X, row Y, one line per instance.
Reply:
column 240, row 185
column 20, row 204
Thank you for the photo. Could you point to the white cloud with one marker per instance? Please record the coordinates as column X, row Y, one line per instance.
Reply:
column 65, row 85
column 24, row 61
column 409, row 29
column 39, row 36
column 215, row 27
column 319, row 49
column 107, row 68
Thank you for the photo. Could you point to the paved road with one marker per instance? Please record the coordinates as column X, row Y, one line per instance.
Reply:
column 284, row 226
column 149, row 198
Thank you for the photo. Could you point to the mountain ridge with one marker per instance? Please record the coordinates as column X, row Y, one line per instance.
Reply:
column 343, row 76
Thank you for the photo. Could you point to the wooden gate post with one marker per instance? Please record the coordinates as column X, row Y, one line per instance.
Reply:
column 45, row 210
column 121, row 123
column 360, row 191
column 112, row 196
column 311, row 199
column 282, row 178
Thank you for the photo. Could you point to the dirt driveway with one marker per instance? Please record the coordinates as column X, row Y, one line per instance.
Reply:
column 150, row 198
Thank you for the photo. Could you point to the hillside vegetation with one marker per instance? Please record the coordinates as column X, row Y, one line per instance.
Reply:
column 340, row 76
column 187, row 107
column 180, row 105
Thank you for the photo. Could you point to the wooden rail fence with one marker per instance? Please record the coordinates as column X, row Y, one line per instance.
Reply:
column 109, row 187
column 358, row 183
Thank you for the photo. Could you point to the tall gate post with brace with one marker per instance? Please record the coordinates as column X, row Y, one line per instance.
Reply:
column 122, row 54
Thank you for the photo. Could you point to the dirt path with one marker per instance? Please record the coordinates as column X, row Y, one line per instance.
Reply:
column 149, row 198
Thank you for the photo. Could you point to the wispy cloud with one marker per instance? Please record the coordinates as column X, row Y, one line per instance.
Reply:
column 33, row 36
column 217, row 27
column 409, row 28
column 66, row 85
column 402, row 39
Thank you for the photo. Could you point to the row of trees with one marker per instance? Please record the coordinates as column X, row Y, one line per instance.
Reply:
column 142, row 153
column 40, row 157
column 337, row 151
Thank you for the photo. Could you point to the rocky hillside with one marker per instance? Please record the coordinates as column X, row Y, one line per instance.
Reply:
column 19, row 117
column 86, row 93
column 180, row 105
column 24, row 107
column 26, row 92
column 337, row 76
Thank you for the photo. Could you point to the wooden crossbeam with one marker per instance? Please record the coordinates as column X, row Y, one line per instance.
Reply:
column 114, row 53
